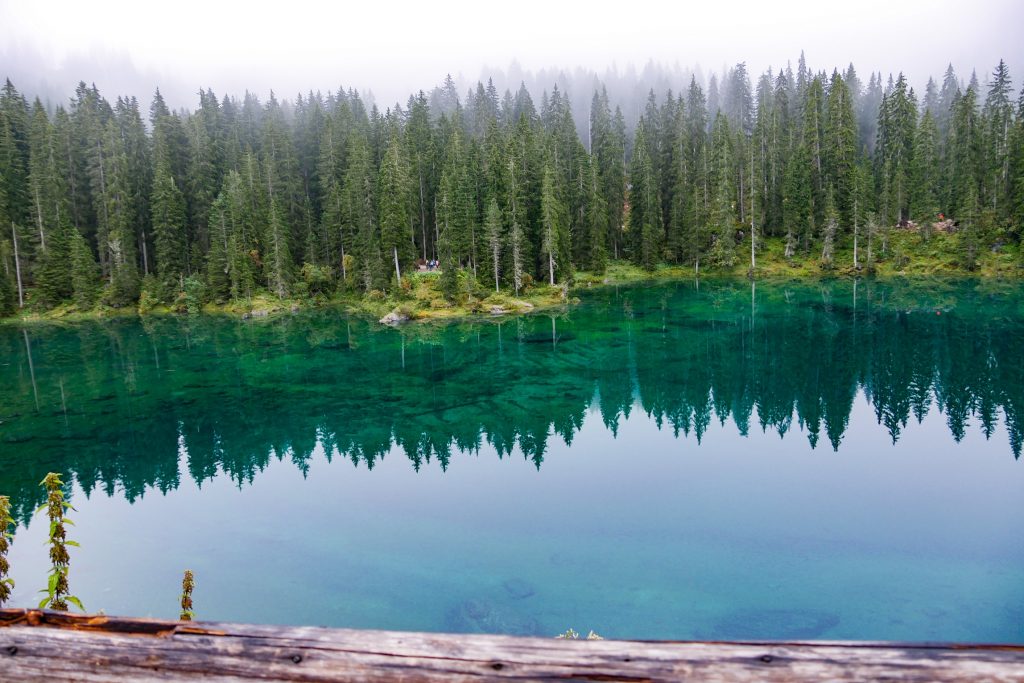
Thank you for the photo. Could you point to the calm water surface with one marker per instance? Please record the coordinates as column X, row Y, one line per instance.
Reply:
column 678, row 461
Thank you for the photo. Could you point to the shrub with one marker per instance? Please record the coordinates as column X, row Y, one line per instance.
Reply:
column 194, row 292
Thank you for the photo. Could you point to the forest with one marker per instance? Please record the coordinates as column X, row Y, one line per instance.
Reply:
column 104, row 205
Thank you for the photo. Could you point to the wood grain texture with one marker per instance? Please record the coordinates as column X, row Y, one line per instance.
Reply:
column 48, row 646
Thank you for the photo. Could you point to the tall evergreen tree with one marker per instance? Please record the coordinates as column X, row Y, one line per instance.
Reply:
column 396, row 231
column 169, row 228
column 644, row 204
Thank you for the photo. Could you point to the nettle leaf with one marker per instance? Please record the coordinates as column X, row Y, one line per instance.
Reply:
column 75, row 601
column 73, row 544
column 45, row 601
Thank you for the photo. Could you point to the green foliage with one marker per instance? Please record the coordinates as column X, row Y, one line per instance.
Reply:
column 6, row 583
column 396, row 236
column 243, row 194
column 85, row 273
column 57, row 595
column 828, row 234
column 151, row 294
column 644, row 204
column 168, row 217
column 970, row 242
column 554, row 243
column 317, row 279
column 493, row 230
column 188, row 584
column 8, row 294
column 193, row 294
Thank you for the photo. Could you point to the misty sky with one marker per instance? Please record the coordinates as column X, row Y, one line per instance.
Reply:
column 399, row 46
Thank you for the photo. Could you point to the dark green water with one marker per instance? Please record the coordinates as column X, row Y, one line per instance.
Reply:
column 801, row 460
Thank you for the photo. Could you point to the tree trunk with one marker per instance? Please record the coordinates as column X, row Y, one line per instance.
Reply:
column 17, row 267
column 398, row 273
column 39, row 219
column 496, row 289
column 423, row 217
column 856, row 266
column 145, row 257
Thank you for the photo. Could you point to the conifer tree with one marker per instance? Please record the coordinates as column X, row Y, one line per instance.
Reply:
column 924, row 169
column 360, row 213
column 218, row 260
column 495, row 238
column 644, row 205
column 723, row 216
column 829, row 231
column 246, row 211
column 695, row 209
column 554, row 245
column 395, row 206
column 965, row 145
column 169, row 228
column 119, row 243
column 49, row 193
column 998, row 115
column 897, row 121
column 840, row 153
column 85, row 273
column 596, row 222
column 277, row 239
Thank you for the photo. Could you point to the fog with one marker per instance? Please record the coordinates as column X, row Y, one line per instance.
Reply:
column 388, row 50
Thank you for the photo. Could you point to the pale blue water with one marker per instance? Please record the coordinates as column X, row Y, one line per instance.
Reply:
column 229, row 448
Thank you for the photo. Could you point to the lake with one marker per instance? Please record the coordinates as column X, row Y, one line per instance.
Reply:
column 712, row 460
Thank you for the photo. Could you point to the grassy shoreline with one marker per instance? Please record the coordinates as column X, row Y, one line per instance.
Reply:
column 906, row 255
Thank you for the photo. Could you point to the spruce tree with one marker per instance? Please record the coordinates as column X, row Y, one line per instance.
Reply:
column 998, row 115
column 596, row 222
column 924, row 174
column 644, row 205
column 85, row 273
column 495, row 239
column 396, row 220
column 723, row 215
column 169, row 228
column 840, row 153
column 554, row 231
column 277, row 252
column 218, row 260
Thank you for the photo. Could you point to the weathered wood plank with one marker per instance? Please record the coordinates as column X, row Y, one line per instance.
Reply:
column 47, row 646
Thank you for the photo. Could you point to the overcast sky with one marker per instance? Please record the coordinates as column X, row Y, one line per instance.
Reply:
column 396, row 47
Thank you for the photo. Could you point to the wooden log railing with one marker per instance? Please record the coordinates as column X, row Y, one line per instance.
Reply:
column 40, row 645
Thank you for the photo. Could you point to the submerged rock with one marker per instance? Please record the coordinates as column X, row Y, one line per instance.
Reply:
column 518, row 589
column 774, row 624
column 478, row 615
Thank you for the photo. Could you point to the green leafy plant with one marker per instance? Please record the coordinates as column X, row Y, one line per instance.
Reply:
column 6, row 583
column 57, row 594
column 187, row 584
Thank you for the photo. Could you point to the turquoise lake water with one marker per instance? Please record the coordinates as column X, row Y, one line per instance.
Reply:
column 829, row 460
